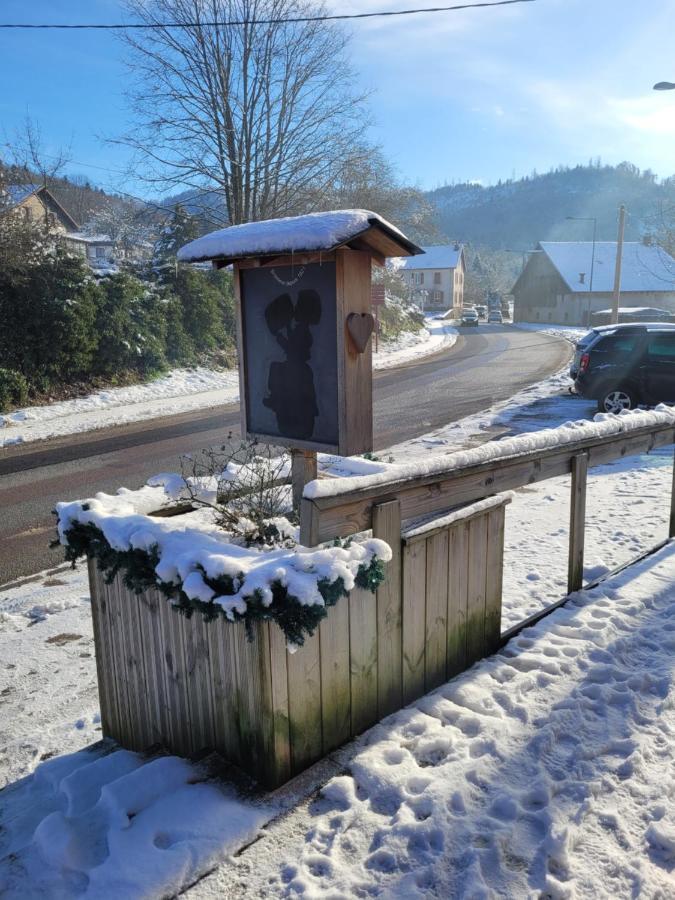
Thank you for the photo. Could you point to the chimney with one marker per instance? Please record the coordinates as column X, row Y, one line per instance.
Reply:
column 582, row 278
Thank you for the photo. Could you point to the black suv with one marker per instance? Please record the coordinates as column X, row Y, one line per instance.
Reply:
column 630, row 366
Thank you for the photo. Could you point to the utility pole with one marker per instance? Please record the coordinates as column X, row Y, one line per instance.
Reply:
column 617, row 269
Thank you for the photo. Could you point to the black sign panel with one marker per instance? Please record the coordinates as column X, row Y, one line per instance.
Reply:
column 289, row 335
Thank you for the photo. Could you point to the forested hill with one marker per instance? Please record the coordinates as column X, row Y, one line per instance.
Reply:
column 514, row 214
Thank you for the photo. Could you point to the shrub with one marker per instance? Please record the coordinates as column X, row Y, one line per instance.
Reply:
column 13, row 389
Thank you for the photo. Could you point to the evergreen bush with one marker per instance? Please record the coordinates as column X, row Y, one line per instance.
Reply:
column 13, row 389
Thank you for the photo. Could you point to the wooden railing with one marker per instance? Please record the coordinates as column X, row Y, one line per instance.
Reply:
column 342, row 513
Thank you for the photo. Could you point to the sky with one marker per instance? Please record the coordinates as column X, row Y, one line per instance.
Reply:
column 473, row 95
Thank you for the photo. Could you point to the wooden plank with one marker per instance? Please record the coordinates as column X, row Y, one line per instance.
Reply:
column 150, row 632
column 304, row 704
column 575, row 562
column 224, row 689
column 363, row 659
column 436, row 611
column 458, row 592
column 355, row 391
column 105, row 668
column 116, row 592
column 477, row 583
column 335, row 686
column 254, row 700
column 175, row 672
column 198, row 682
column 348, row 513
column 281, row 737
column 136, row 683
column 494, row 578
column 387, row 527
column 413, row 602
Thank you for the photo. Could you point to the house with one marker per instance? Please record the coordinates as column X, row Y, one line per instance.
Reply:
column 37, row 204
column 436, row 278
column 567, row 282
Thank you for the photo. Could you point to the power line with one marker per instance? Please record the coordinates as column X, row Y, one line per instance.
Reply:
column 149, row 26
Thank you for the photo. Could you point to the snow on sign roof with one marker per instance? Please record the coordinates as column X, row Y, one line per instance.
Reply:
column 316, row 231
column 439, row 256
column 644, row 268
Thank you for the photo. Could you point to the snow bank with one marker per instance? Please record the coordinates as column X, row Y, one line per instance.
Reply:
column 101, row 824
column 412, row 345
column 316, row 231
column 603, row 425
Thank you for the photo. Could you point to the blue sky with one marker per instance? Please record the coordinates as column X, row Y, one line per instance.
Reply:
column 472, row 95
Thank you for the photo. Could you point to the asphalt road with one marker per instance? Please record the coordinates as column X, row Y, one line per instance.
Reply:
column 485, row 366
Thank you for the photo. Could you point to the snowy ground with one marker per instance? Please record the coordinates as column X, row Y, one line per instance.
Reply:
column 182, row 390
column 544, row 770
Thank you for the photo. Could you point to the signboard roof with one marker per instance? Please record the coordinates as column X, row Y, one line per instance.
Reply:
column 359, row 229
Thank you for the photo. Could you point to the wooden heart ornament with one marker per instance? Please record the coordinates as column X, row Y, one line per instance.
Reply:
column 360, row 327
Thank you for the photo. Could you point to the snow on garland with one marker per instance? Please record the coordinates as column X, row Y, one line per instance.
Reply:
column 197, row 568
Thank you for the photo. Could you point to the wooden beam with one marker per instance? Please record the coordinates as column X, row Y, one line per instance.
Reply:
column 344, row 514
column 303, row 470
column 575, row 563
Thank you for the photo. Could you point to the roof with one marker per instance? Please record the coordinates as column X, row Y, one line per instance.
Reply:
column 643, row 268
column 17, row 193
column 357, row 228
column 83, row 238
column 438, row 256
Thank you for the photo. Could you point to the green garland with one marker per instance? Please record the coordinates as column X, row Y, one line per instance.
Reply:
column 295, row 619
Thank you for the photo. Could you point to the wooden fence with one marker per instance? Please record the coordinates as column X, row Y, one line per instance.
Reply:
column 192, row 686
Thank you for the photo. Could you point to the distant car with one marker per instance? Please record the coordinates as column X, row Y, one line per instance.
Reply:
column 629, row 366
column 482, row 312
column 469, row 316
column 584, row 342
column 495, row 317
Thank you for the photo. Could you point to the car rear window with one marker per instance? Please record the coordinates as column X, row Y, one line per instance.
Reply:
column 661, row 346
column 616, row 343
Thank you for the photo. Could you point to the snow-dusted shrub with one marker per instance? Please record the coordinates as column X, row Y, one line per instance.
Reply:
column 13, row 389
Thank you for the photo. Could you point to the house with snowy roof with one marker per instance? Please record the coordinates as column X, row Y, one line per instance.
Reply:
column 567, row 282
column 36, row 203
column 436, row 278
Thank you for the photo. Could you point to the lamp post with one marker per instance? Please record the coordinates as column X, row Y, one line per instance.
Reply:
column 590, row 285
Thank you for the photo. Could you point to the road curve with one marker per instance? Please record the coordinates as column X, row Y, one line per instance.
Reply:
column 484, row 367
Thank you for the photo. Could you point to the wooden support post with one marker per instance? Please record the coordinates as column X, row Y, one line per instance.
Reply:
column 575, row 566
column 303, row 470
column 671, row 527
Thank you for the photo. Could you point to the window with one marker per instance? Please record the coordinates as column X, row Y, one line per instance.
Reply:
column 437, row 297
column 616, row 343
column 437, row 277
column 661, row 346
column 100, row 253
column 421, row 278
column 27, row 213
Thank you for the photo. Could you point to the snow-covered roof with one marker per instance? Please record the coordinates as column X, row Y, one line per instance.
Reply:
column 89, row 238
column 438, row 256
column 315, row 231
column 644, row 268
column 17, row 193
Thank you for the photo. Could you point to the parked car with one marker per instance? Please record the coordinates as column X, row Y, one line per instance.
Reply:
column 495, row 317
column 629, row 366
column 584, row 342
column 469, row 316
column 482, row 312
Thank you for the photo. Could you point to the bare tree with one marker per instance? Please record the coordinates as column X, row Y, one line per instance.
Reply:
column 28, row 153
column 263, row 112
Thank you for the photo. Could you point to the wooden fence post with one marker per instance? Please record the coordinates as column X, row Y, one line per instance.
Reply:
column 303, row 470
column 575, row 563
column 387, row 527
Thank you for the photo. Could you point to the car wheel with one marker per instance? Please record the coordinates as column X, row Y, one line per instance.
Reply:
column 618, row 399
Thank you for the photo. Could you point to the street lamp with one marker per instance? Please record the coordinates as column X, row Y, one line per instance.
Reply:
column 595, row 229
column 664, row 86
